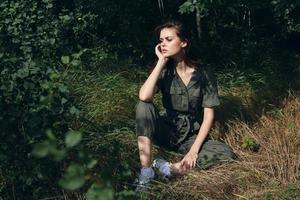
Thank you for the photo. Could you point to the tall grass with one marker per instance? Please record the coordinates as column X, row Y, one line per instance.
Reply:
column 106, row 97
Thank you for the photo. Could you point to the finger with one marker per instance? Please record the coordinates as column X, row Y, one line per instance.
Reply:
column 182, row 162
column 157, row 47
column 194, row 164
column 191, row 165
column 181, row 165
column 185, row 167
column 188, row 165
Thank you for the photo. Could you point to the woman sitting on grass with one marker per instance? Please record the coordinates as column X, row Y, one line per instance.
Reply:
column 189, row 95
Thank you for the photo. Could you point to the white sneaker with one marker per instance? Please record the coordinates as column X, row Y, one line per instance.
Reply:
column 163, row 166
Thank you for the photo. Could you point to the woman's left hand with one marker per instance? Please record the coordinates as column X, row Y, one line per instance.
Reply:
column 190, row 160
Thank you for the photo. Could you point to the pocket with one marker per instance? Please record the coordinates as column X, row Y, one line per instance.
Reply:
column 175, row 91
column 175, row 99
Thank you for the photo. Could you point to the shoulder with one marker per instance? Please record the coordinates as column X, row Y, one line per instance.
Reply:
column 162, row 75
column 204, row 66
column 206, row 74
column 167, row 72
column 203, row 69
column 206, row 70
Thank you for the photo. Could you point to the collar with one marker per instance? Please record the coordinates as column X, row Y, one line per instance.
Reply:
column 196, row 77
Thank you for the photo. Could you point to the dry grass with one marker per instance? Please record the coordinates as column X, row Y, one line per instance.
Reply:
column 278, row 135
column 268, row 170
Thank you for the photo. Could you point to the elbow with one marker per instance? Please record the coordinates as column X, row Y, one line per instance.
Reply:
column 145, row 98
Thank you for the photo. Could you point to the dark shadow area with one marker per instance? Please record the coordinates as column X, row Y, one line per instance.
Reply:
column 231, row 109
column 278, row 83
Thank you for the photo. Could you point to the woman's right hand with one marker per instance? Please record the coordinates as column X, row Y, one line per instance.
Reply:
column 159, row 54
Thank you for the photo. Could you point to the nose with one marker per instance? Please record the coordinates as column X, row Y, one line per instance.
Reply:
column 163, row 43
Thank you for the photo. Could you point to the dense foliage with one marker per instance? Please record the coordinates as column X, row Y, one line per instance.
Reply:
column 33, row 97
column 42, row 41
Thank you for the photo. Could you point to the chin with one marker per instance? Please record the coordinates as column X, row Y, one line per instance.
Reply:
column 168, row 55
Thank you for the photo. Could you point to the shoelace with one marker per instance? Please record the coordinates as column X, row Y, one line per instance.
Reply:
column 163, row 166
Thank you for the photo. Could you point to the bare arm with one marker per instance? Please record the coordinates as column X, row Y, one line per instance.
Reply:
column 189, row 160
column 148, row 89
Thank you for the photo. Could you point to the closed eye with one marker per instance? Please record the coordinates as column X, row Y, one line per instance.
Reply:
column 169, row 39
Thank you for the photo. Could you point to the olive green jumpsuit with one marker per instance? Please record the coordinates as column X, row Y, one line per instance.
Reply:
column 177, row 126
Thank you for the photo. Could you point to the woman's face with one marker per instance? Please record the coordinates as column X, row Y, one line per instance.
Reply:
column 171, row 45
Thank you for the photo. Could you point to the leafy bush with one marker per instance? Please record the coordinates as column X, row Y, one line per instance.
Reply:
column 33, row 96
column 39, row 39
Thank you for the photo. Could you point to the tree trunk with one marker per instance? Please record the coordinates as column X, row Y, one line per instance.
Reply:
column 198, row 22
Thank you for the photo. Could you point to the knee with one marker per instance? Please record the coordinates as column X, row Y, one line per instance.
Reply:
column 146, row 117
column 144, row 141
column 143, row 107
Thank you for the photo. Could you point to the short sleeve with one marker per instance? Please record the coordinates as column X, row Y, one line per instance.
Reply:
column 209, row 89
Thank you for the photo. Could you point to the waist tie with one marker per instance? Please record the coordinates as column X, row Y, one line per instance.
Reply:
column 183, row 120
column 180, row 120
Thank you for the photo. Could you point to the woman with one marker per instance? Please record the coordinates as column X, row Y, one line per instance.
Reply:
column 189, row 94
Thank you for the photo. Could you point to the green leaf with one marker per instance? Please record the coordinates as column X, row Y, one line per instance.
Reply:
column 43, row 149
column 52, row 41
column 92, row 163
column 58, row 154
column 63, row 88
column 65, row 18
column 97, row 193
column 73, row 178
column 23, row 72
column 65, row 59
column 49, row 5
column 76, row 62
column 45, row 85
column 50, row 135
column 187, row 7
column 54, row 75
column 73, row 138
column 63, row 100
column 74, row 110
column 77, row 55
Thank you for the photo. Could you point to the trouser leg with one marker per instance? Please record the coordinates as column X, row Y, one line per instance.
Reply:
column 211, row 153
column 146, row 119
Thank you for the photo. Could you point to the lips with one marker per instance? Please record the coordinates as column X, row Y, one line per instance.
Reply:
column 164, row 50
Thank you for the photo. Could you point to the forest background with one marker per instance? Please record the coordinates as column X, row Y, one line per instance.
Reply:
column 70, row 74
